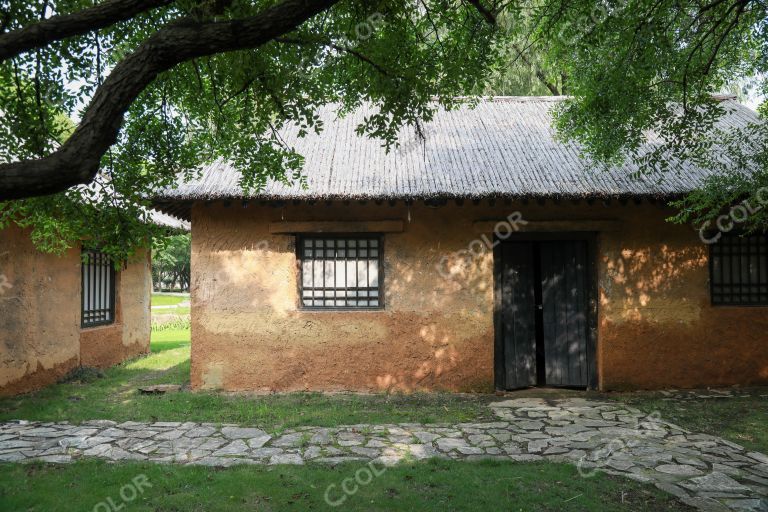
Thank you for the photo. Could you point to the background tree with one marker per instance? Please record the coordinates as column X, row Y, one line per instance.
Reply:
column 522, row 68
column 160, row 87
column 171, row 262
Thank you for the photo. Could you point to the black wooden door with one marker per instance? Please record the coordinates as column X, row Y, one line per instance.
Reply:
column 518, row 324
column 564, row 305
column 544, row 313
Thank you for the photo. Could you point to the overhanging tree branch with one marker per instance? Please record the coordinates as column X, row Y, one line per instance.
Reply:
column 538, row 71
column 489, row 16
column 77, row 160
column 63, row 26
column 337, row 47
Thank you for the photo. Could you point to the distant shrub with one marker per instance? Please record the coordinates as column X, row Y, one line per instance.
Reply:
column 178, row 323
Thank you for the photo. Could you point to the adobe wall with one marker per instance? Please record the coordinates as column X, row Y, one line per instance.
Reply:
column 40, row 335
column 248, row 333
column 655, row 325
column 107, row 345
column 39, row 314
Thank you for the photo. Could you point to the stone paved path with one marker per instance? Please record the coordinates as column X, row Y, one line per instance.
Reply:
column 702, row 470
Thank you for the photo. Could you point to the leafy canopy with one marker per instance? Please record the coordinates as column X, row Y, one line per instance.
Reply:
column 640, row 66
column 397, row 55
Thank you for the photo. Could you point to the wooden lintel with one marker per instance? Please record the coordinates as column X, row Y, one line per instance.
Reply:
column 324, row 226
column 546, row 226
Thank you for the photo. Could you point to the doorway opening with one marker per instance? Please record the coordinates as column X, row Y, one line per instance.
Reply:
column 545, row 314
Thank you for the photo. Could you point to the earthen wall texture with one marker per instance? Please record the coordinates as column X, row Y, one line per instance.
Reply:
column 40, row 335
column 656, row 327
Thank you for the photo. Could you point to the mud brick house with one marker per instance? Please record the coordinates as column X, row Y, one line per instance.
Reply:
column 487, row 256
column 58, row 313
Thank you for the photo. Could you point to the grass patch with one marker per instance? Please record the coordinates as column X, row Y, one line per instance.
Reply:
column 83, row 375
column 171, row 337
column 163, row 299
column 742, row 419
column 434, row 485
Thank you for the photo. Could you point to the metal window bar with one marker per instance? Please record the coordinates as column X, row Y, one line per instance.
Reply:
column 738, row 270
column 340, row 272
column 97, row 289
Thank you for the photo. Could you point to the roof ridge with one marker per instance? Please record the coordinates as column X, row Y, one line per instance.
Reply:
column 501, row 98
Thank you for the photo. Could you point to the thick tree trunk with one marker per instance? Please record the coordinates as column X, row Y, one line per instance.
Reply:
column 62, row 26
column 77, row 160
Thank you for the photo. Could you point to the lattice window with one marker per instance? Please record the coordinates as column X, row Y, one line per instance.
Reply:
column 341, row 272
column 98, row 289
column 739, row 271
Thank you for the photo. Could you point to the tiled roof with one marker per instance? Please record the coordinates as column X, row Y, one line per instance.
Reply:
column 503, row 147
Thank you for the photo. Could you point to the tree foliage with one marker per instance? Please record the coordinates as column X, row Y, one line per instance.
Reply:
column 636, row 67
column 160, row 87
column 171, row 262
column 168, row 89
column 523, row 68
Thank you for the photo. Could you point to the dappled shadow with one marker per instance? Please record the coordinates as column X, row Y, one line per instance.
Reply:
column 162, row 346
column 647, row 278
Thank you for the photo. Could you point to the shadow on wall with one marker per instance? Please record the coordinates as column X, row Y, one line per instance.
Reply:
column 647, row 280
column 452, row 292
column 659, row 330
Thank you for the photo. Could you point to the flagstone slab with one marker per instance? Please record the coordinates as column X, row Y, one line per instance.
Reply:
column 242, row 433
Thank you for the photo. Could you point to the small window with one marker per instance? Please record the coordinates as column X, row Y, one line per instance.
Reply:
column 98, row 290
column 737, row 270
column 340, row 272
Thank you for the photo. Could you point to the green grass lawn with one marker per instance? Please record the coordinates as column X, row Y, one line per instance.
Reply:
column 434, row 485
column 742, row 419
column 162, row 299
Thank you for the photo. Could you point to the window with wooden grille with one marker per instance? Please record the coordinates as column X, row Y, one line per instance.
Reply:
column 340, row 272
column 738, row 270
column 98, row 289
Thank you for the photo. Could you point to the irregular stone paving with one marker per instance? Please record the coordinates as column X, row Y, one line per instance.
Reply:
column 704, row 471
column 698, row 394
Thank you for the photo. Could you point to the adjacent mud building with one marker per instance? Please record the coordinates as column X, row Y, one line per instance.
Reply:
column 61, row 312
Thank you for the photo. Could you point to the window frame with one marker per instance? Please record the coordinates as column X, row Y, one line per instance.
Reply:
column 301, row 237
column 110, row 293
column 714, row 298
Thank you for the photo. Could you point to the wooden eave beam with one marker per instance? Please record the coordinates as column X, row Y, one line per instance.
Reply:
column 363, row 226
column 550, row 226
